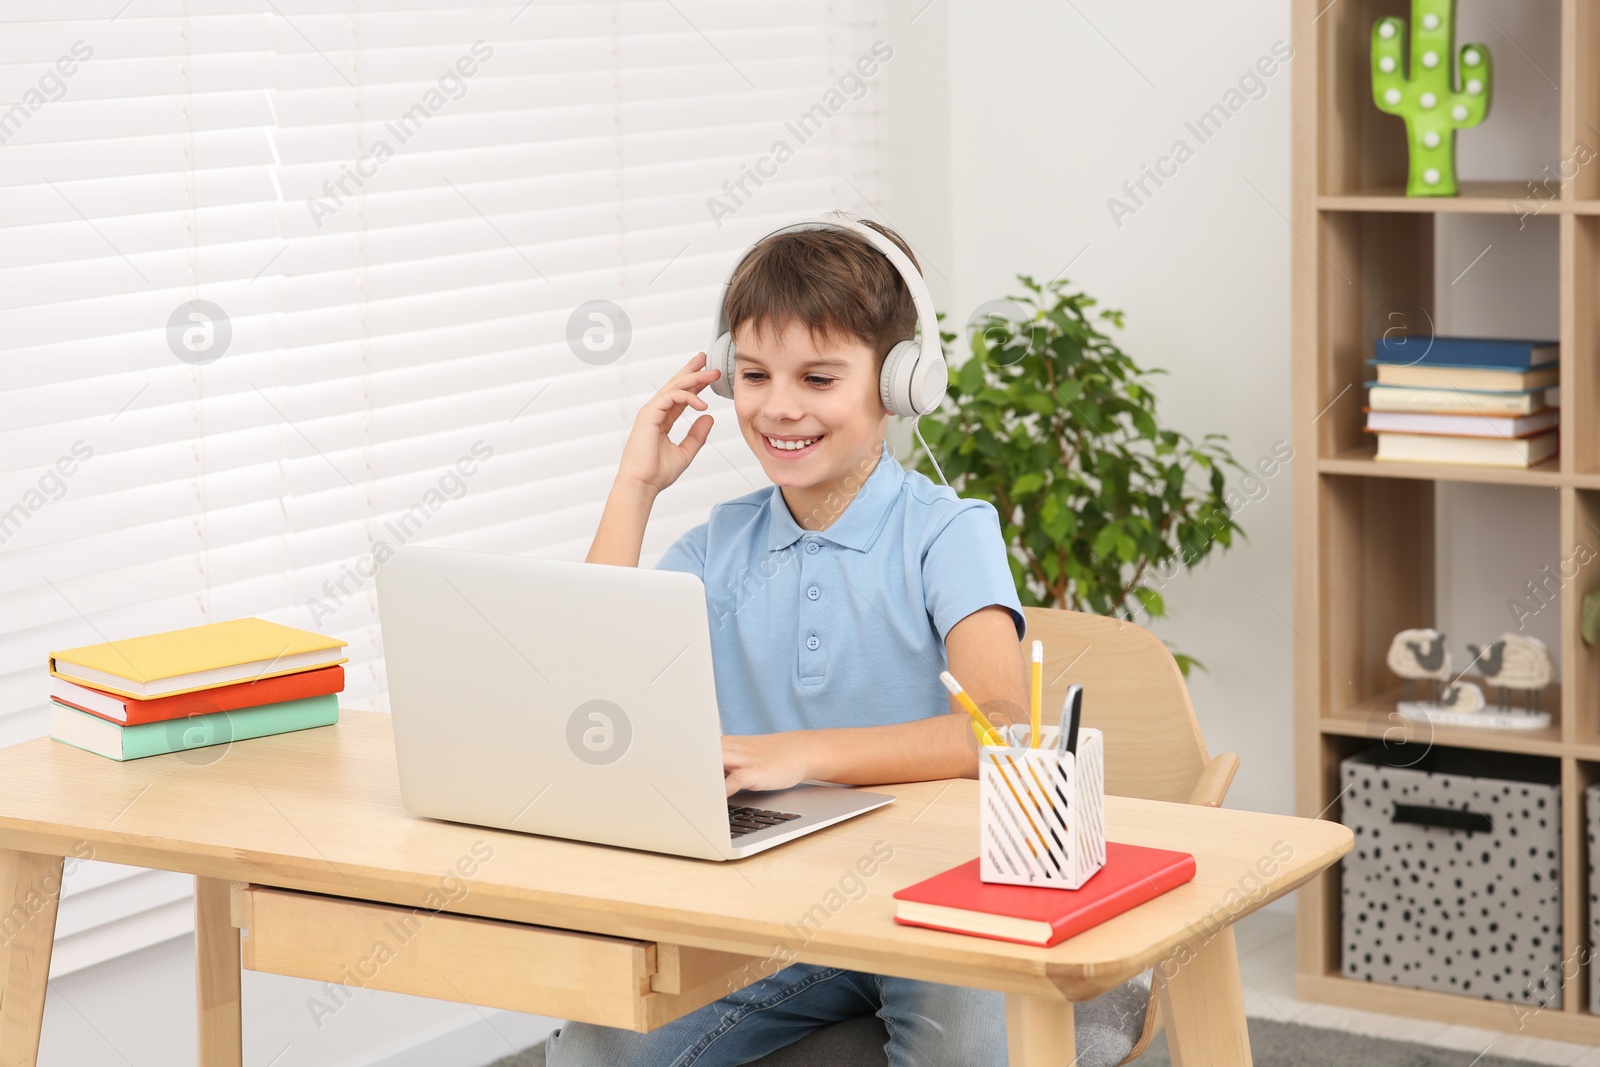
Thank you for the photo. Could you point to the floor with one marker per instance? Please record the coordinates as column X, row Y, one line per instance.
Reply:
column 1266, row 963
column 138, row 1011
column 89, row 1017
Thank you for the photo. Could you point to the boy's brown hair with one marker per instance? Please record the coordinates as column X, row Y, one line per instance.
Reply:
column 835, row 282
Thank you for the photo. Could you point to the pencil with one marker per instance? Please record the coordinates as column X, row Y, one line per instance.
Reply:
column 979, row 723
column 1036, row 696
column 991, row 737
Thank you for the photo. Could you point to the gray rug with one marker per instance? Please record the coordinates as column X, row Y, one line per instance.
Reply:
column 1276, row 1044
column 1272, row 1044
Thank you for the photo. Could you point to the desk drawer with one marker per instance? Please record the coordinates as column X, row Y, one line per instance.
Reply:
column 612, row 981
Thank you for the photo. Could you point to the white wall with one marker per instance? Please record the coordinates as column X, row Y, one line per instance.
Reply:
column 1052, row 108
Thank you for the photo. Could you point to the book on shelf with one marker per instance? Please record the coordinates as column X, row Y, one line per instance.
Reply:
column 1466, row 401
column 1458, row 424
column 197, row 657
column 131, row 711
column 959, row 901
column 1497, row 352
column 1441, row 376
column 115, row 741
column 1472, row 451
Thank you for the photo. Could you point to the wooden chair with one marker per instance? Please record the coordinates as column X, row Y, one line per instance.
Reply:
column 1135, row 695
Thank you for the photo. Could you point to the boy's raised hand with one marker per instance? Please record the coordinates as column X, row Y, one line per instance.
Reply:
column 649, row 456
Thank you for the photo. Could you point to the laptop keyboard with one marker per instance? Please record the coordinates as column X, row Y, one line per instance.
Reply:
column 742, row 820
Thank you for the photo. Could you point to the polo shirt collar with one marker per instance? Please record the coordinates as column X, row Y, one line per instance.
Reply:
column 858, row 527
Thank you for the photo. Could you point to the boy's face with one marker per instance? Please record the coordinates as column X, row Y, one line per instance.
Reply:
column 785, row 387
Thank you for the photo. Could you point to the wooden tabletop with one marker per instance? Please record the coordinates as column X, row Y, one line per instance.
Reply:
column 319, row 810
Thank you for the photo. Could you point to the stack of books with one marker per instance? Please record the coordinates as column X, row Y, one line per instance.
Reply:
column 1472, row 400
column 193, row 688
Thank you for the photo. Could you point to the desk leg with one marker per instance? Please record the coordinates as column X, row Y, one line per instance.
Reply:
column 1203, row 1003
column 1039, row 1032
column 216, row 967
column 30, row 892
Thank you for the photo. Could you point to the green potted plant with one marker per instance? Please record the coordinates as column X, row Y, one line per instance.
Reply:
column 1052, row 423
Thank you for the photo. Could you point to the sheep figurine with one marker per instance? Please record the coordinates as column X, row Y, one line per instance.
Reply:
column 1463, row 696
column 1419, row 654
column 1515, row 662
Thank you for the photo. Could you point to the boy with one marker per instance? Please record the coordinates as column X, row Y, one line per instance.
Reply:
column 836, row 597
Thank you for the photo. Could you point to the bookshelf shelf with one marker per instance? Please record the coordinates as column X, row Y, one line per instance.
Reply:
column 1366, row 547
column 1361, row 462
column 1376, row 718
column 1480, row 198
column 1554, row 1024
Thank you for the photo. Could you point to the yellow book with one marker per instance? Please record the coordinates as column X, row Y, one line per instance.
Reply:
column 198, row 657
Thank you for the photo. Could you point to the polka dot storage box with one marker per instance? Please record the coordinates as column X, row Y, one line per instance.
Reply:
column 1591, row 802
column 1454, row 883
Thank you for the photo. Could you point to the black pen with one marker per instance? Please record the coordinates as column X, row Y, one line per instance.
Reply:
column 1071, row 712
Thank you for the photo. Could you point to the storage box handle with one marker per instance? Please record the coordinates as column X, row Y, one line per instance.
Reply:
column 1450, row 818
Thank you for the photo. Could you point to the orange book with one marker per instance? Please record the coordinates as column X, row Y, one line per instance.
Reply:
column 131, row 711
column 957, row 900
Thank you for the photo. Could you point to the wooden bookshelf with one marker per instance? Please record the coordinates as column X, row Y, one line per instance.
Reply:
column 1364, row 531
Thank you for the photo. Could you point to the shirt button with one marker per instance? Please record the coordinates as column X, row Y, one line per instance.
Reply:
column 812, row 643
column 813, row 548
column 813, row 592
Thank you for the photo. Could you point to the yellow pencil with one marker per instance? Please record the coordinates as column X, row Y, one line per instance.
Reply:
column 989, row 733
column 1035, row 695
column 971, row 709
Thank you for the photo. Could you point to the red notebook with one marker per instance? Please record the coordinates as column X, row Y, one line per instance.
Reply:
column 958, row 901
column 132, row 711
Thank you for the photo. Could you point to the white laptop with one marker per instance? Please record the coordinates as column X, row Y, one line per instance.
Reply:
column 574, row 700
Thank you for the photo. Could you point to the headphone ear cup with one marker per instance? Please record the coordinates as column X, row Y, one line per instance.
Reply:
column 911, row 385
column 720, row 357
column 928, row 384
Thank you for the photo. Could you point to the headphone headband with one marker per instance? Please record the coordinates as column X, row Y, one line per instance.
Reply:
column 914, row 375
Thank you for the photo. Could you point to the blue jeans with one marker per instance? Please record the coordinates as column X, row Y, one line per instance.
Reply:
column 929, row 1024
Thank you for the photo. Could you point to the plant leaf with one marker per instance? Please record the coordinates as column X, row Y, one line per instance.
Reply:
column 1052, row 423
column 1027, row 483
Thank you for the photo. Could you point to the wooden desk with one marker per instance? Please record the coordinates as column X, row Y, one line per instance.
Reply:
column 300, row 842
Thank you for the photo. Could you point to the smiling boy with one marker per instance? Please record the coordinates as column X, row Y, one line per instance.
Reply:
column 836, row 595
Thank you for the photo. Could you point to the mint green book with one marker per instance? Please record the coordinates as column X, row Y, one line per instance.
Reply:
column 115, row 741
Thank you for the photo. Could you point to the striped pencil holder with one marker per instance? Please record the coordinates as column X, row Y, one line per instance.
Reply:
column 1043, row 818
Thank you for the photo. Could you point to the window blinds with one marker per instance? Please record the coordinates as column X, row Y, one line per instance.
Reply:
column 284, row 284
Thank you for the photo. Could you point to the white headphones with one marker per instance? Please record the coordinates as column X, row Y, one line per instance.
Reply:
column 914, row 373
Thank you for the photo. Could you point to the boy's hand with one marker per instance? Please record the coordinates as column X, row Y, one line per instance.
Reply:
column 649, row 457
column 763, row 761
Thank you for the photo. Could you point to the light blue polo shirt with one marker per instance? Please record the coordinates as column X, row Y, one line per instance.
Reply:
column 844, row 626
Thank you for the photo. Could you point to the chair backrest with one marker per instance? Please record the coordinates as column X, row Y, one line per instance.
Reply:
column 1133, row 693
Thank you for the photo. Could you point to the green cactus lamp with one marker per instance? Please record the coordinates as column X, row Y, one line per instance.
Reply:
column 1422, row 93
